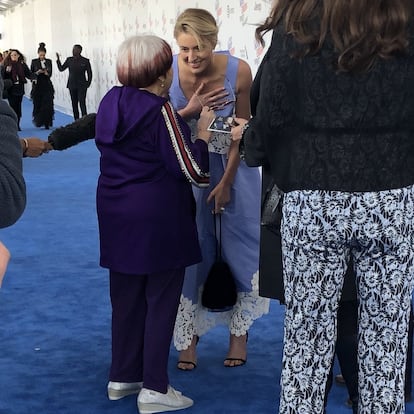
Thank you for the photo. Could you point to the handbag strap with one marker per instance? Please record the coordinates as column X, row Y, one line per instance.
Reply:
column 218, row 240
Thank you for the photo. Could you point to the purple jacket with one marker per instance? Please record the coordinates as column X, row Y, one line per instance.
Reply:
column 145, row 204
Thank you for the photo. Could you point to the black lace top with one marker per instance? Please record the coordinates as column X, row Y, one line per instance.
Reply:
column 319, row 129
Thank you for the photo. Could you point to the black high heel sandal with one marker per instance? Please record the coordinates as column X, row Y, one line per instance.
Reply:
column 240, row 360
column 194, row 364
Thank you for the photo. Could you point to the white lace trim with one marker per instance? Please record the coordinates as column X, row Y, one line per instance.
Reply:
column 193, row 319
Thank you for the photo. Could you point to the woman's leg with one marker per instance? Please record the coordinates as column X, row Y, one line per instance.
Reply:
column 187, row 359
column 128, row 326
column 190, row 322
column 383, row 254
column 237, row 354
column 385, row 269
column 347, row 347
column 240, row 247
column 163, row 296
column 409, row 363
column 15, row 102
column 314, row 262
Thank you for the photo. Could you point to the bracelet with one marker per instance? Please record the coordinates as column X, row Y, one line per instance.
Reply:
column 245, row 128
column 26, row 146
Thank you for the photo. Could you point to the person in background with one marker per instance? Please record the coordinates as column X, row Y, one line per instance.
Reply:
column 3, row 56
column 334, row 125
column 79, row 80
column 12, row 184
column 8, row 82
column 16, row 72
column 42, row 89
column 222, row 82
column 146, row 154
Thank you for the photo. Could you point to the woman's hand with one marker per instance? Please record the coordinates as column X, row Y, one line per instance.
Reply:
column 238, row 129
column 206, row 118
column 215, row 99
column 221, row 197
column 35, row 147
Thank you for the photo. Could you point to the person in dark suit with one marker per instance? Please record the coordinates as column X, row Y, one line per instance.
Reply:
column 80, row 78
column 42, row 90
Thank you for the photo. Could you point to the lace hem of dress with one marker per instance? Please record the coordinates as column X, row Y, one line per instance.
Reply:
column 193, row 319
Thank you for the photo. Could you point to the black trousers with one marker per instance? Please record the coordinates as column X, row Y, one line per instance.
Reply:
column 15, row 102
column 78, row 98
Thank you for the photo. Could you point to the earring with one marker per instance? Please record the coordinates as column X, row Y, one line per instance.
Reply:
column 162, row 84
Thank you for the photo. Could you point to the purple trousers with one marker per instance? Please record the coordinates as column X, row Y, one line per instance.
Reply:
column 144, row 308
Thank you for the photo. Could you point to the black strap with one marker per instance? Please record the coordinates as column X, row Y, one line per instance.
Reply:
column 218, row 241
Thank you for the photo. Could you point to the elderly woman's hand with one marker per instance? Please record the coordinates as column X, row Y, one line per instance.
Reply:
column 206, row 118
column 239, row 128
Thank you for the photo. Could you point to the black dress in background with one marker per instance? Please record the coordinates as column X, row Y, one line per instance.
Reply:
column 42, row 94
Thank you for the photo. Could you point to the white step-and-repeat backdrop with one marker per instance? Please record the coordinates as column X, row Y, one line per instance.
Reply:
column 101, row 25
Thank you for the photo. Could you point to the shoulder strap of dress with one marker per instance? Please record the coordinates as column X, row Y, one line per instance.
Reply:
column 232, row 67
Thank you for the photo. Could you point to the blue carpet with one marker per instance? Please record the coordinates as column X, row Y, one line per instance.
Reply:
column 55, row 310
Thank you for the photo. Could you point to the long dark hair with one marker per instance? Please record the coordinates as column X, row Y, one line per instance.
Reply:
column 7, row 60
column 361, row 30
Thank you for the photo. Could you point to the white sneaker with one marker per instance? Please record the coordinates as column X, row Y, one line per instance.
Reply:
column 150, row 401
column 118, row 390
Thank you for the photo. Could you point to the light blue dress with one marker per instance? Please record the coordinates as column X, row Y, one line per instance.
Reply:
column 240, row 234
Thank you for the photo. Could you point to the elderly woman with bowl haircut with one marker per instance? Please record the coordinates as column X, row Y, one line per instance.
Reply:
column 146, row 214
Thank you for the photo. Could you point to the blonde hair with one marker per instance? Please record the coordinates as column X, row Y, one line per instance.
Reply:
column 198, row 23
column 142, row 59
column 361, row 30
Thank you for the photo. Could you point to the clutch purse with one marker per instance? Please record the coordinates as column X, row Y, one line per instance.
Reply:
column 272, row 208
column 219, row 291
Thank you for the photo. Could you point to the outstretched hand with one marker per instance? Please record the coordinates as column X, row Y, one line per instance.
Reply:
column 206, row 118
column 35, row 147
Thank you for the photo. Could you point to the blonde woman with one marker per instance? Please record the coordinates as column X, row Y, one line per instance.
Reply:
column 222, row 82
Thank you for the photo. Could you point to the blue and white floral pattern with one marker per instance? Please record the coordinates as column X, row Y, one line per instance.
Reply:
column 320, row 230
